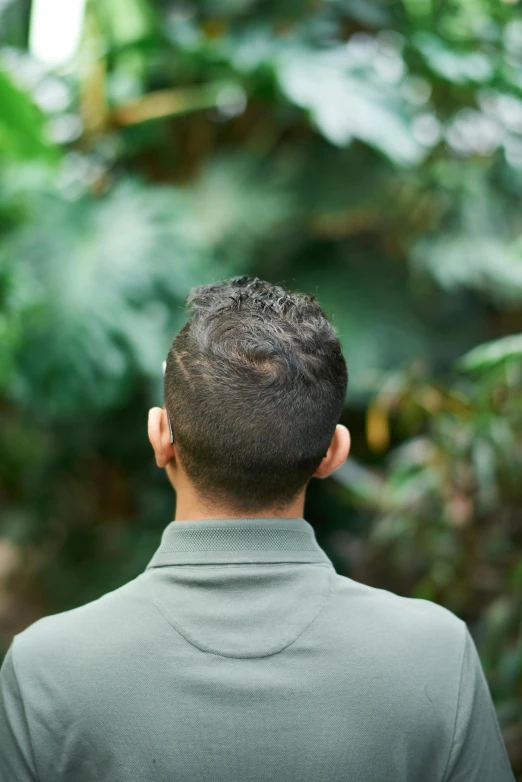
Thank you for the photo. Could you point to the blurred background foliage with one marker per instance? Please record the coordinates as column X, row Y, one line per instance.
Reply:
column 368, row 151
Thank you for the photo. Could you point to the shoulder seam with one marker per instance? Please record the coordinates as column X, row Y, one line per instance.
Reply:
column 446, row 768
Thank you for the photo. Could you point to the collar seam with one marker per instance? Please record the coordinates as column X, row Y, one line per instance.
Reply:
column 239, row 564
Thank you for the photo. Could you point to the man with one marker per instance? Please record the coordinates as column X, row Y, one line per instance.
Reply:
column 239, row 654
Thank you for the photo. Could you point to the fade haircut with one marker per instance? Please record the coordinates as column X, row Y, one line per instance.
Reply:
column 254, row 386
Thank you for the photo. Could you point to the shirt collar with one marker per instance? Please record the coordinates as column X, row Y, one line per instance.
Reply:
column 221, row 541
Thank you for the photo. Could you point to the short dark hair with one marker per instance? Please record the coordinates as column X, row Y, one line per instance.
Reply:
column 254, row 385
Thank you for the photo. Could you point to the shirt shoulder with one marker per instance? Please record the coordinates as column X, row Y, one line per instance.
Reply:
column 413, row 643
column 81, row 632
column 406, row 615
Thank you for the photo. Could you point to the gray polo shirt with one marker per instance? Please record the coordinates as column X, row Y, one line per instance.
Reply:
column 239, row 654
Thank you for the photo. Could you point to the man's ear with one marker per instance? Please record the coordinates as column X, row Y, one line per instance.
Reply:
column 337, row 452
column 159, row 436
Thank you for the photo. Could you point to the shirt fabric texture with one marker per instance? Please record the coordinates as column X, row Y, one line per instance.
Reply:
column 240, row 654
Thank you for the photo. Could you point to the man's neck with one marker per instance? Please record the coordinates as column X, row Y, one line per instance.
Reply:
column 190, row 507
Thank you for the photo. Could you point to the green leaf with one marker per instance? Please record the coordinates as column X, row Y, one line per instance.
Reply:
column 126, row 22
column 418, row 8
column 21, row 124
column 96, row 279
column 349, row 101
column 485, row 262
column 492, row 353
column 459, row 67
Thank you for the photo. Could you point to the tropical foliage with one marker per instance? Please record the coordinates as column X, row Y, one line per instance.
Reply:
column 369, row 152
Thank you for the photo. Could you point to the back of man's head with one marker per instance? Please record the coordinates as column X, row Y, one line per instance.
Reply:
column 254, row 386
